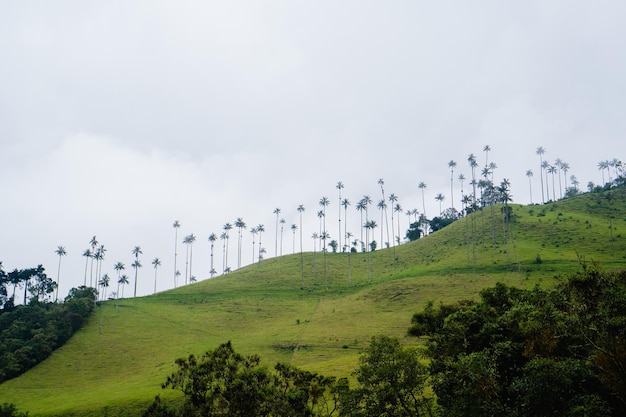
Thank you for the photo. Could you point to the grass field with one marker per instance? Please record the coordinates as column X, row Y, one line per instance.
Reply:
column 115, row 365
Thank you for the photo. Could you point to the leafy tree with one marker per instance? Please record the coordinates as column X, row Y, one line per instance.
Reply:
column 531, row 352
column 9, row 410
column 393, row 381
column 136, row 264
column 414, row 232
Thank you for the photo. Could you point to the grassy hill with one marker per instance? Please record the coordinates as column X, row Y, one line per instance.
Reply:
column 115, row 365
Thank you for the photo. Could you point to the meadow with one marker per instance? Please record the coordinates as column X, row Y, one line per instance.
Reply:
column 115, row 365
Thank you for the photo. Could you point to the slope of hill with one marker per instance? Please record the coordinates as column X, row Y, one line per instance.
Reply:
column 115, row 365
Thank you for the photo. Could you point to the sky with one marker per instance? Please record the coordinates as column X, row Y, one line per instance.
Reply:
column 118, row 118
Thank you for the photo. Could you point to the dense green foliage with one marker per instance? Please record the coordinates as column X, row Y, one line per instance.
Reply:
column 532, row 352
column 391, row 382
column 9, row 410
column 29, row 333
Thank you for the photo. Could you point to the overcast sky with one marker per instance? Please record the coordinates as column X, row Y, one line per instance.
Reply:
column 119, row 117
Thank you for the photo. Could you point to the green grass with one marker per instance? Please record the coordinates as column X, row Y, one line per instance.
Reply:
column 116, row 368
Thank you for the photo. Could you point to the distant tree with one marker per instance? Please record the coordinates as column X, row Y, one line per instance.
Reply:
column 94, row 244
column 294, row 227
column 529, row 174
column 277, row 213
column 414, row 232
column 136, row 264
column 345, row 203
column 339, row 187
column 61, row 252
column 87, row 255
column 10, row 410
column 260, row 229
column 333, row 245
column 540, row 151
column 422, row 186
column 452, row 165
column 176, row 226
column 104, row 284
column 156, row 263
column 300, row 211
column 282, row 226
column 122, row 280
column 240, row 225
column 212, row 239
column 440, row 197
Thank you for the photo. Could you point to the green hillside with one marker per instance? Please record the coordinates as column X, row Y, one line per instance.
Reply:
column 115, row 365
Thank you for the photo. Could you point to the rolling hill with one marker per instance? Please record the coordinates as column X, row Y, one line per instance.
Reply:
column 115, row 365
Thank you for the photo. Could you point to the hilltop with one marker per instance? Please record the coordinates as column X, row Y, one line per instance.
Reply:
column 119, row 359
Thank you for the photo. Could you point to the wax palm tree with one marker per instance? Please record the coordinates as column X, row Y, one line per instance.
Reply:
column 104, row 283
column 574, row 182
column 282, row 227
column 320, row 215
column 422, row 186
column 186, row 242
column 557, row 165
column 345, row 203
column 540, row 151
column 136, row 264
column 348, row 236
column 552, row 170
column 123, row 280
column 324, row 202
column 94, row 244
column 176, row 226
column 227, row 228
column 212, row 239
column 486, row 150
column 294, row 227
column 260, row 229
column 529, row 174
column 192, row 240
column 339, row 187
column 61, row 252
column 300, row 211
column 369, row 226
column 440, row 197
column 452, row 165
column 565, row 169
column 99, row 257
column 315, row 237
column 224, row 238
column 119, row 267
column 383, row 207
column 392, row 200
column 602, row 165
column 397, row 208
column 87, row 254
column 461, row 179
column 277, row 213
column 253, row 232
column 156, row 263
column 471, row 159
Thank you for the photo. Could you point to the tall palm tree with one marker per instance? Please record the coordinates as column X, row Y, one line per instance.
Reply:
column 422, row 186
column 452, row 165
column 123, row 280
column 227, row 228
column 345, row 203
column 557, row 165
column 212, row 239
column 87, row 254
column 461, row 178
column 602, row 165
column 294, row 227
column 223, row 238
column 529, row 174
column 186, row 242
column 383, row 208
column 156, row 263
column 136, row 264
column 94, row 244
column 260, row 229
column 253, row 232
column 192, row 239
column 277, row 213
column 397, row 208
column 300, row 211
column 440, row 197
column 540, row 151
column 565, row 169
column 119, row 267
column 361, row 206
column 552, row 170
column 315, row 236
column 348, row 236
column 99, row 257
column 369, row 226
column 176, row 226
column 393, row 199
column 486, row 150
column 471, row 159
column 574, row 182
column 339, row 187
column 324, row 202
column 282, row 227
column 104, row 283
column 61, row 252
